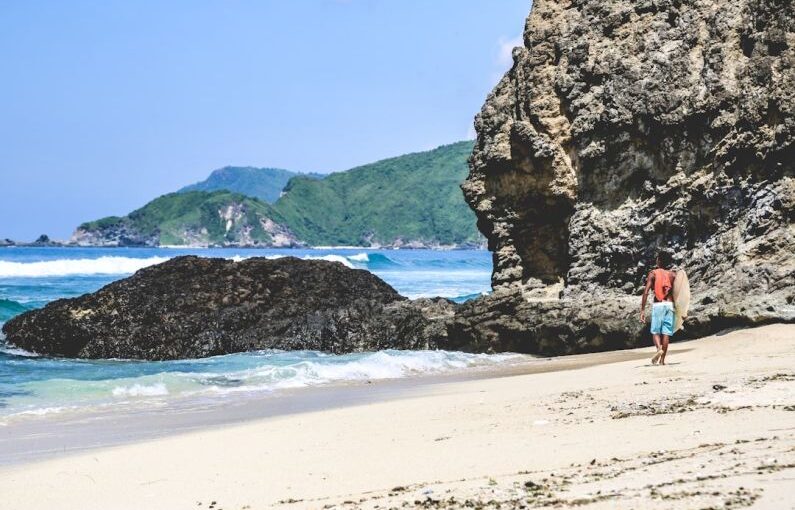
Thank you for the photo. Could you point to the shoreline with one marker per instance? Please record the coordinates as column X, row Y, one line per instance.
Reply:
column 29, row 438
column 711, row 429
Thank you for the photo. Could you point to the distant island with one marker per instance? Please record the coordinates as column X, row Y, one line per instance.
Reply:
column 410, row 201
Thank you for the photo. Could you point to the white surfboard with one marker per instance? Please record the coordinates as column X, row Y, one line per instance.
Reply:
column 681, row 296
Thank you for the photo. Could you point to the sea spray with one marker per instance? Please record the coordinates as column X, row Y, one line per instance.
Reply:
column 65, row 267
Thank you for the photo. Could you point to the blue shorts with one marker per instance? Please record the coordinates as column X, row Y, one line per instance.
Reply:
column 662, row 318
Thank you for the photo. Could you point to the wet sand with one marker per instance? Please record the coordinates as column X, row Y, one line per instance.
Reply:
column 36, row 438
column 713, row 429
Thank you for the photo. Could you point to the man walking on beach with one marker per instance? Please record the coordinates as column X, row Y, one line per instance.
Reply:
column 662, row 310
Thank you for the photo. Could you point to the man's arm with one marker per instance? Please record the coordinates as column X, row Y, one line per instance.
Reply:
column 649, row 283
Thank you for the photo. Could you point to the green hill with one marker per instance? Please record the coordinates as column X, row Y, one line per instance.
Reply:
column 197, row 218
column 410, row 199
column 263, row 183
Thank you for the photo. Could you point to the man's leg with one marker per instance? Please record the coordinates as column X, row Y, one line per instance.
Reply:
column 665, row 339
column 657, row 355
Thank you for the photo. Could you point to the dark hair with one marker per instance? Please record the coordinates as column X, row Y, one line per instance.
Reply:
column 665, row 258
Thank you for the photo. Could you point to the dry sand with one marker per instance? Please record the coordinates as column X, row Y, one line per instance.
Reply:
column 713, row 429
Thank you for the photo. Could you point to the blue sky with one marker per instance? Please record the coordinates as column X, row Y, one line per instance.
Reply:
column 108, row 104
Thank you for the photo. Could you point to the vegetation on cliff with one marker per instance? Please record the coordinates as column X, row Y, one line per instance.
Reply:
column 194, row 217
column 263, row 183
column 409, row 200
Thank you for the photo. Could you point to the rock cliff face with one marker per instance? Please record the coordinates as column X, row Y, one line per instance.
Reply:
column 113, row 235
column 191, row 307
column 625, row 126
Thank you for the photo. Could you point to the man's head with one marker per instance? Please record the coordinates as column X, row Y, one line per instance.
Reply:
column 664, row 259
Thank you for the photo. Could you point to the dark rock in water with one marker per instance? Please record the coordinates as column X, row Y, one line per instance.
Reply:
column 41, row 241
column 624, row 126
column 194, row 307
column 44, row 240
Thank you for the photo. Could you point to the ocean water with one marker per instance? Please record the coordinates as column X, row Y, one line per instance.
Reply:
column 33, row 386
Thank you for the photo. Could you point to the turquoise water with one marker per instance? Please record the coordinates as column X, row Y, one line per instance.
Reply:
column 32, row 386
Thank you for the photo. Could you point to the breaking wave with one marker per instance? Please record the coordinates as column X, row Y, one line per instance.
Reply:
column 140, row 390
column 113, row 265
column 310, row 368
column 373, row 260
column 10, row 351
column 87, row 384
column 329, row 258
column 68, row 267
column 370, row 261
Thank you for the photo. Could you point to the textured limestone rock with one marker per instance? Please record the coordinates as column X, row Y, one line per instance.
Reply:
column 625, row 126
column 192, row 307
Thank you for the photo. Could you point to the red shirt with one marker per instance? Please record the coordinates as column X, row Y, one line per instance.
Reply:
column 662, row 284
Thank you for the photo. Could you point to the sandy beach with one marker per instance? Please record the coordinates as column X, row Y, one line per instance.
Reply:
column 713, row 429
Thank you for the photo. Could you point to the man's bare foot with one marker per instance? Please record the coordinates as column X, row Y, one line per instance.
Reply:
column 656, row 357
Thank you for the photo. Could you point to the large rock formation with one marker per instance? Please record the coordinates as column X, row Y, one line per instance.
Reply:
column 624, row 126
column 192, row 307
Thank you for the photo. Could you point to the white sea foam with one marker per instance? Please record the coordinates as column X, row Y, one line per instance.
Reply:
column 140, row 390
column 329, row 258
column 116, row 265
column 40, row 411
column 66, row 267
column 14, row 351
column 36, row 412
column 360, row 257
column 349, row 368
column 341, row 247
column 235, row 374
